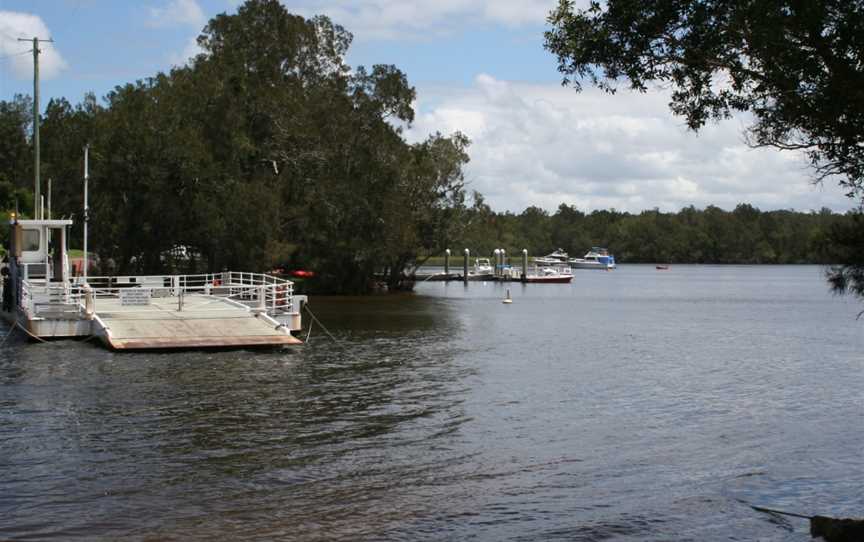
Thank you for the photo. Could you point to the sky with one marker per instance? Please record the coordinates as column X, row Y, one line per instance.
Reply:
column 479, row 68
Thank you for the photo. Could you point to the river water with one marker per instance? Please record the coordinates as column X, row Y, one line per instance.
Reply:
column 632, row 405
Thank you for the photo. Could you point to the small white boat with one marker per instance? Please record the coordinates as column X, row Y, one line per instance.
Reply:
column 550, row 274
column 482, row 266
column 554, row 258
column 596, row 258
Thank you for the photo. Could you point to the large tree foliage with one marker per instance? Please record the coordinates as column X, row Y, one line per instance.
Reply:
column 847, row 245
column 797, row 67
column 266, row 150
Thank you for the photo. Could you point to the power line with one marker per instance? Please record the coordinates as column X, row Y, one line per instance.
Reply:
column 22, row 53
column 7, row 36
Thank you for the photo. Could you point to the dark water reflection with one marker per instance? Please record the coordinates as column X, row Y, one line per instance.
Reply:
column 632, row 405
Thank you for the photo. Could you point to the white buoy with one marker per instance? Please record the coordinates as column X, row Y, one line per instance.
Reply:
column 508, row 299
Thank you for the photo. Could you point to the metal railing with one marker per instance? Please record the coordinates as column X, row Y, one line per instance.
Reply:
column 256, row 291
column 39, row 298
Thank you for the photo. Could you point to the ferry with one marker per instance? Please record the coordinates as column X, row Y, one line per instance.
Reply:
column 596, row 258
column 41, row 298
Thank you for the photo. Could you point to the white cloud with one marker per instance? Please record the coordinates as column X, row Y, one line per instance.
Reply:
column 545, row 145
column 190, row 51
column 178, row 12
column 399, row 19
column 14, row 25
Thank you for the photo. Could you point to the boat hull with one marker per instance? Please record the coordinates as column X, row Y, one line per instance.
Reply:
column 549, row 280
column 591, row 265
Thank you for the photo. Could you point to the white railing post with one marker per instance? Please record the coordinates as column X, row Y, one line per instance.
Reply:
column 89, row 302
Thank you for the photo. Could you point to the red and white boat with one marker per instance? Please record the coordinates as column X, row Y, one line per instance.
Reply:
column 550, row 274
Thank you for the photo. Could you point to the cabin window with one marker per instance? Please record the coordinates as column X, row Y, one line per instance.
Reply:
column 30, row 240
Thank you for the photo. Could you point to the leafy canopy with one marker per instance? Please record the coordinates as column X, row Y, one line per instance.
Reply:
column 266, row 151
column 797, row 66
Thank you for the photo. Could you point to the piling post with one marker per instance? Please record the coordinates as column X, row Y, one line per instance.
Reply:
column 496, row 257
column 524, row 264
column 503, row 261
column 180, row 301
column 262, row 298
column 447, row 264
column 89, row 302
column 465, row 266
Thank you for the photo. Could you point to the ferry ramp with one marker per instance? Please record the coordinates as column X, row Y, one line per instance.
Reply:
column 196, row 321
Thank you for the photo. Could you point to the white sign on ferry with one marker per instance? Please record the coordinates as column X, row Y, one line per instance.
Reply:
column 135, row 296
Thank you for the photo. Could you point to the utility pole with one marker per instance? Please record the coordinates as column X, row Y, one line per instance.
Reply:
column 86, row 207
column 36, row 51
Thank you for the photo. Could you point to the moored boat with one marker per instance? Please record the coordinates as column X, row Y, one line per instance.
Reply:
column 550, row 274
column 556, row 257
column 596, row 258
column 482, row 270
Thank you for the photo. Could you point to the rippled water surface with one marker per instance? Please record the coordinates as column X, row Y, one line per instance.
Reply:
column 633, row 405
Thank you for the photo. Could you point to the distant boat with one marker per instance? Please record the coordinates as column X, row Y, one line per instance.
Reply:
column 557, row 274
column 554, row 258
column 482, row 266
column 662, row 267
column 596, row 258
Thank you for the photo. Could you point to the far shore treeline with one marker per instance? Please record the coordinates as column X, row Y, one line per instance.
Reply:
column 744, row 235
column 268, row 151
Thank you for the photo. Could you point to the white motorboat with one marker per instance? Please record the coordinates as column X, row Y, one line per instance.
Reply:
column 557, row 257
column 596, row 258
column 482, row 266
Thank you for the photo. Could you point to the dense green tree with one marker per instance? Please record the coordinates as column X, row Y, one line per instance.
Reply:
column 16, row 155
column 847, row 238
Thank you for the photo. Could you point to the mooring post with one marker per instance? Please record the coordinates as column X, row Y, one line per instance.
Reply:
column 446, row 264
column 496, row 254
column 503, row 261
column 89, row 302
column 465, row 265
column 262, row 298
column 180, row 301
column 524, row 264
